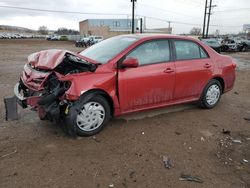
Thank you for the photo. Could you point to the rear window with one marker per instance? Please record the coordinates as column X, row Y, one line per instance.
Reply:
column 188, row 50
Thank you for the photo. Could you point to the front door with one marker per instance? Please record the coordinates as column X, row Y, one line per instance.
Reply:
column 152, row 83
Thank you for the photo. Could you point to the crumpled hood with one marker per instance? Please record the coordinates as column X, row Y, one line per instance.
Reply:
column 47, row 59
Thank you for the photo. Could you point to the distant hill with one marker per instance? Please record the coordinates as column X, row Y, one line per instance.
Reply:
column 15, row 29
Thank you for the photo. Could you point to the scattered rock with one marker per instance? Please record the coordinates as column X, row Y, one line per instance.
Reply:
column 202, row 139
column 224, row 131
column 131, row 174
column 187, row 177
column 95, row 139
column 167, row 162
column 177, row 133
column 214, row 125
column 247, row 119
column 111, row 185
column 142, row 133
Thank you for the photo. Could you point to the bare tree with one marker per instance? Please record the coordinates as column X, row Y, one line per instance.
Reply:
column 43, row 30
column 195, row 31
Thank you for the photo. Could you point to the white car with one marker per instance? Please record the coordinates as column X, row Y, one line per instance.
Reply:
column 96, row 39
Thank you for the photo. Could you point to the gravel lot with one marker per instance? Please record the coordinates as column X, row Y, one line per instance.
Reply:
column 129, row 151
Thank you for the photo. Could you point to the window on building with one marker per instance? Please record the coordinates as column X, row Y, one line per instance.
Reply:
column 116, row 23
column 101, row 23
column 129, row 24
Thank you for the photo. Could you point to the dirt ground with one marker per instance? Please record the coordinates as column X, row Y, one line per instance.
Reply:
column 129, row 151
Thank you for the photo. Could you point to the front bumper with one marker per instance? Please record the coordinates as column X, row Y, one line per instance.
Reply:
column 21, row 100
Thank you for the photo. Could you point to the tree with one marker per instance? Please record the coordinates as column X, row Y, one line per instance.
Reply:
column 195, row 31
column 65, row 31
column 43, row 30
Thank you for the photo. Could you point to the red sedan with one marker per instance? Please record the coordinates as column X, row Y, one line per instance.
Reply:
column 120, row 75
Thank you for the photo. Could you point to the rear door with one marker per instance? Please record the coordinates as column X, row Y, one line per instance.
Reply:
column 152, row 83
column 193, row 69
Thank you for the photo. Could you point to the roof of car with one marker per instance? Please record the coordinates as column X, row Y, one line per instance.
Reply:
column 153, row 35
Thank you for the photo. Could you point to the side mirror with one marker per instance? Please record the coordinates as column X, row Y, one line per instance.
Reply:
column 130, row 63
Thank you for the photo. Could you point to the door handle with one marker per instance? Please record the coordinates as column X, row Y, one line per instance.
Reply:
column 169, row 70
column 207, row 65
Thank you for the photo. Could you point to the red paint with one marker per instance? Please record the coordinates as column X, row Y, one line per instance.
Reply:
column 142, row 87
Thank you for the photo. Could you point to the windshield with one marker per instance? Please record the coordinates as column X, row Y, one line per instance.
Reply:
column 212, row 42
column 105, row 50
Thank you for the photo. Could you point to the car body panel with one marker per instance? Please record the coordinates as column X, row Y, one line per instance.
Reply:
column 143, row 87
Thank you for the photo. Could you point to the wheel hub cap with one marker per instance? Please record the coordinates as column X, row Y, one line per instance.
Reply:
column 213, row 94
column 91, row 116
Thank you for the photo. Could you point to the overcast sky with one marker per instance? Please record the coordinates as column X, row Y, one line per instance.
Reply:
column 229, row 15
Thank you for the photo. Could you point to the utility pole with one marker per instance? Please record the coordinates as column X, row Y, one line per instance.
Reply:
column 133, row 15
column 204, row 22
column 209, row 14
column 169, row 24
column 206, row 25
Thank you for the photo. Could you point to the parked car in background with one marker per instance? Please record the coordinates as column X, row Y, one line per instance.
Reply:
column 121, row 75
column 213, row 43
column 55, row 37
column 245, row 45
column 231, row 45
column 63, row 38
column 95, row 39
column 83, row 42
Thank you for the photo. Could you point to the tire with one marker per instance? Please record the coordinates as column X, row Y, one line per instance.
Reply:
column 86, row 116
column 214, row 90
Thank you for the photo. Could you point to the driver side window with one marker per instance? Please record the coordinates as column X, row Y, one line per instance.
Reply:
column 156, row 51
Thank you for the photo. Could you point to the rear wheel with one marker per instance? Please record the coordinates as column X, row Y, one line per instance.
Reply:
column 91, row 116
column 211, row 94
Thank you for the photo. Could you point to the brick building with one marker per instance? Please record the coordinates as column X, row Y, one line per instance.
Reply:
column 106, row 27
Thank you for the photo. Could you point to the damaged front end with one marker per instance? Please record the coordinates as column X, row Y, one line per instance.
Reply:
column 46, row 78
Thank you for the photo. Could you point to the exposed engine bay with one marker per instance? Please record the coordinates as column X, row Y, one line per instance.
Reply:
column 42, row 85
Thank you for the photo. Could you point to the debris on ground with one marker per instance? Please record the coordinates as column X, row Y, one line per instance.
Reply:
column 187, row 177
column 237, row 141
column 95, row 139
column 131, row 174
column 8, row 154
column 245, row 161
column 202, row 139
column 111, row 185
column 236, row 93
column 167, row 162
column 177, row 133
column 224, row 131
column 247, row 119
column 142, row 133
column 10, row 108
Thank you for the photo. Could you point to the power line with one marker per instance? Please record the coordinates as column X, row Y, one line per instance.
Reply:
column 230, row 10
column 62, row 11
column 98, row 13
column 165, row 10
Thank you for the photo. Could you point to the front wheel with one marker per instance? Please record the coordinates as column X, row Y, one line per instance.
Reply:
column 91, row 116
column 211, row 94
